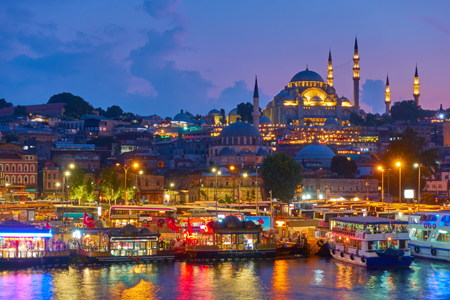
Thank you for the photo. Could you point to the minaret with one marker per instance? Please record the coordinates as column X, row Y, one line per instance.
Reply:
column 387, row 100
column 416, row 87
column 330, row 70
column 356, row 77
column 256, row 114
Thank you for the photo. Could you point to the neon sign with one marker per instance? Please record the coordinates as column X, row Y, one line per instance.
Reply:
column 25, row 234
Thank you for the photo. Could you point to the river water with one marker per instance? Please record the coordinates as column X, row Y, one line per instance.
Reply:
column 303, row 278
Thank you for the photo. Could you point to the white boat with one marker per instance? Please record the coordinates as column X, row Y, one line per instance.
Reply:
column 430, row 234
column 371, row 242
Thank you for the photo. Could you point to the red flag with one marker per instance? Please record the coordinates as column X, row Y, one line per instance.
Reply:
column 260, row 221
column 210, row 226
column 47, row 226
column 88, row 221
column 190, row 229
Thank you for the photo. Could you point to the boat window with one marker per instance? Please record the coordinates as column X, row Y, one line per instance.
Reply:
column 442, row 237
column 419, row 234
column 426, row 233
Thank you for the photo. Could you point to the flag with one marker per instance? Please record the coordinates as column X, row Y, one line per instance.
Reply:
column 47, row 226
column 210, row 226
column 261, row 221
column 190, row 229
column 88, row 221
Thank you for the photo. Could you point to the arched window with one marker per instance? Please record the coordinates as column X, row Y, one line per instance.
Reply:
column 19, row 168
column 13, row 179
column 226, row 183
column 6, row 178
column 25, row 168
column 32, row 179
column 1, row 168
column 25, row 179
column 32, row 168
column 19, row 179
column 49, row 176
column 13, row 168
column 54, row 175
column 7, row 168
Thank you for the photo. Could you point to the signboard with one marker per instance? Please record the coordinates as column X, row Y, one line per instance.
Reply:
column 263, row 221
column 409, row 194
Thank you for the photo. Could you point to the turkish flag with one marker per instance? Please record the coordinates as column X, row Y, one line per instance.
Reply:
column 88, row 221
column 260, row 221
column 190, row 229
column 47, row 226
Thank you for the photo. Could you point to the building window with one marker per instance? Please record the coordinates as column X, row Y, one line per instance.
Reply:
column 13, row 168
column 1, row 168
column 226, row 183
column 25, row 179
column 210, row 184
column 25, row 168
column 49, row 176
column 7, row 168
column 13, row 179
column 32, row 168
column 48, row 185
column 19, row 168
column 7, row 178
column 19, row 179
column 54, row 175
column 32, row 179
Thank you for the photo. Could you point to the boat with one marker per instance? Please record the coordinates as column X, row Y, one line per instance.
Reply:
column 127, row 244
column 371, row 242
column 230, row 239
column 429, row 233
column 24, row 245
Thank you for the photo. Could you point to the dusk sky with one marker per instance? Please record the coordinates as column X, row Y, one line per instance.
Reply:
column 157, row 57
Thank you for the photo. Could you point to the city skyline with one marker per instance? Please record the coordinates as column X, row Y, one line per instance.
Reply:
column 157, row 57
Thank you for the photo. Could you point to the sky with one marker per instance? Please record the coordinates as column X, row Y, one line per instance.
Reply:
column 161, row 56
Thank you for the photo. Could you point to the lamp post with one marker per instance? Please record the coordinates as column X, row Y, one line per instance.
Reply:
column 256, row 187
column 139, row 185
column 382, row 183
column 171, row 190
column 418, row 166
column 399, row 165
column 125, row 168
column 239, row 189
column 216, row 172
column 66, row 181
column 59, row 190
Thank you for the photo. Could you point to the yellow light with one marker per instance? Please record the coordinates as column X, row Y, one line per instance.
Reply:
column 67, row 173
column 245, row 174
column 213, row 170
column 380, row 168
column 398, row 164
column 136, row 165
column 231, row 167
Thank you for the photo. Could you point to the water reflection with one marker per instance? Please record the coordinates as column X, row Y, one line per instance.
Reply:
column 282, row 279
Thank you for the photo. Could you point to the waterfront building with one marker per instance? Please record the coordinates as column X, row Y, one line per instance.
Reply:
column 315, row 156
column 51, row 181
column 326, row 188
column 20, row 170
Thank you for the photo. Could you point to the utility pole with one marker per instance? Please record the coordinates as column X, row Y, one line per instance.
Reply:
column 271, row 210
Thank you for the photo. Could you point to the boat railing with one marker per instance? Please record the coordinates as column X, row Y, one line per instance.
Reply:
column 362, row 233
column 30, row 253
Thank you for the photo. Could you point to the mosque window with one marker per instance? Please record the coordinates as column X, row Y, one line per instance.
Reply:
column 210, row 184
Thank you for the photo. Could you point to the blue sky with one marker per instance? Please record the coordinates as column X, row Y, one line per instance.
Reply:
column 161, row 56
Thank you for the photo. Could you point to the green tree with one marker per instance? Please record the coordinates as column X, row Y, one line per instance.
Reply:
column 101, row 111
column 77, row 184
column 113, row 112
column 89, row 187
column 223, row 118
column 356, row 119
column 20, row 110
column 111, row 185
column 4, row 104
column 371, row 120
column 406, row 110
column 343, row 167
column 75, row 105
column 282, row 175
column 407, row 149
column 244, row 110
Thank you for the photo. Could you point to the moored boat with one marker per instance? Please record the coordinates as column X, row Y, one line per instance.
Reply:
column 23, row 245
column 370, row 242
column 429, row 233
column 231, row 239
column 128, row 244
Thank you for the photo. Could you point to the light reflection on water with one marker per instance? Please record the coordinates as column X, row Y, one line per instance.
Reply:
column 281, row 279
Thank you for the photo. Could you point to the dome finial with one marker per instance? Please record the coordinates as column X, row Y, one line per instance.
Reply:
column 307, row 69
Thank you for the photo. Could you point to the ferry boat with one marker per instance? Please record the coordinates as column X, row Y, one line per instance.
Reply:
column 24, row 245
column 370, row 242
column 429, row 233
column 230, row 239
column 127, row 244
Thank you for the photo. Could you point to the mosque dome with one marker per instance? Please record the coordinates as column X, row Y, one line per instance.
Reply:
column 283, row 93
column 182, row 117
column 233, row 112
column 226, row 151
column 315, row 151
column 331, row 121
column 307, row 75
column 344, row 99
column 264, row 121
column 239, row 129
column 214, row 112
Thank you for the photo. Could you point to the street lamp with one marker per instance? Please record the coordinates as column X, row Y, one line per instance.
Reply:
column 380, row 168
column 66, row 180
column 399, row 165
column 418, row 166
column 256, row 187
column 171, row 190
column 125, row 168
column 59, row 191
column 239, row 188
column 216, row 172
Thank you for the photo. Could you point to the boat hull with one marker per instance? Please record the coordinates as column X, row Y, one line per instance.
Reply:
column 105, row 258
column 202, row 252
column 18, row 263
column 374, row 262
column 426, row 251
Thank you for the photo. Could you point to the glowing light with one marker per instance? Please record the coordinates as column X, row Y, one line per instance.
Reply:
column 16, row 234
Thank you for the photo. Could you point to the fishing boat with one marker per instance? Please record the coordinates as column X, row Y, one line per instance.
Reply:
column 127, row 244
column 24, row 245
column 230, row 239
column 370, row 242
column 429, row 233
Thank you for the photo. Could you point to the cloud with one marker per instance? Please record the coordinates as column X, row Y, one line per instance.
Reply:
column 372, row 95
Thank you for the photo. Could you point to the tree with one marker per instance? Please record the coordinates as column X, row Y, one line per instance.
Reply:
column 244, row 110
column 11, row 138
column 101, row 111
column 356, row 119
column 282, row 175
column 20, row 110
column 406, row 111
column 113, row 112
column 77, row 184
column 89, row 188
column 4, row 104
column 407, row 149
column 223, row 119
column 342, row 166
column 111, row 185
column 75, row 105
column 371, row 120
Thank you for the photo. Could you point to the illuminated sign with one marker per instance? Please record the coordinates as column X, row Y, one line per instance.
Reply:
column 409, row 194
column 16, row 234
column 263, row 221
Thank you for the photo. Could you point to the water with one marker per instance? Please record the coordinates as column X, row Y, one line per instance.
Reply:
column 303, row 278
